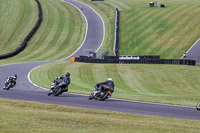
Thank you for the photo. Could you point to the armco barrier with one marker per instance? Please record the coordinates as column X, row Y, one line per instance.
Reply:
column 160, row 61
column 97, row 0
column 152, row 60
column 28, row 37
column 116, row 34
column 128, row 57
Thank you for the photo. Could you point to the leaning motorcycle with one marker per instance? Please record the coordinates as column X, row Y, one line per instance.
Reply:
column 9, row 84
column 56, row 89
column 198, row 106
column 100, row 95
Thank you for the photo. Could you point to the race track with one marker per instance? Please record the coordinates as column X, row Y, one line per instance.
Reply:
column 194, row 52
column 24, row 90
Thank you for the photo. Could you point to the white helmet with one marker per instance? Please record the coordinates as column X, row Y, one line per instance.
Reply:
column 109, row 79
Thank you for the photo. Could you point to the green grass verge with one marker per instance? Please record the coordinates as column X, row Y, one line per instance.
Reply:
column 21, row 116
column 60, row 34
column 167, row 84
column 168, row 32
column 17, row 20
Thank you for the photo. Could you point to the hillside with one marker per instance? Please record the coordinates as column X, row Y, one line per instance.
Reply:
column 17, row 19
column 60, row 34
column 168, row 32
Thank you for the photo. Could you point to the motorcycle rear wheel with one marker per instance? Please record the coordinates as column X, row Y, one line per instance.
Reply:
column 104, row 97
column 198, row 106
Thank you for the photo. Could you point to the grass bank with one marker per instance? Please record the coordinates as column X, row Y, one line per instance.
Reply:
column 21, row 116
column 60, row 34
column 17, row 20
column 168, row 84
column 168, row 32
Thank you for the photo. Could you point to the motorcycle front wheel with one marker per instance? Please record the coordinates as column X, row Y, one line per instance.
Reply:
column 90, row 97
column 8, row 86
column 49, row 94
column 198, row 106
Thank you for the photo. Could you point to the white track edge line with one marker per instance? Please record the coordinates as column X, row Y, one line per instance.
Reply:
column 192, row 46
column 28, row 76
column 85, row 33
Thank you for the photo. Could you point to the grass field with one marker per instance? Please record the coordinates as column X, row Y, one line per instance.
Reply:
column 20, row 116
column 60, row 34
column 17, row 19
column 167, row 84
column 168, row 32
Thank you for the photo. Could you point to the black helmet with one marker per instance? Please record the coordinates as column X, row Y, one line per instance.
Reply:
column 67, row 74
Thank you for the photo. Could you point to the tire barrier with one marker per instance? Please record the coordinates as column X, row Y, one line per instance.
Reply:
column 28, row 37
column 116, row 34
column 135, row 60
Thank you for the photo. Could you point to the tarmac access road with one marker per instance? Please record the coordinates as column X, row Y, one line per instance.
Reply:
column 26, row 91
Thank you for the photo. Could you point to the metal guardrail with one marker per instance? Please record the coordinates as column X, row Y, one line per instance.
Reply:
column 116, row 34
column 101, row 55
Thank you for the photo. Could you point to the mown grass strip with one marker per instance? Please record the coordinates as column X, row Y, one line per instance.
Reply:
column 168, row 32
column 23, row 45
column 167, row 84
column 60, row 34
column 17, row 20
column 21, row 116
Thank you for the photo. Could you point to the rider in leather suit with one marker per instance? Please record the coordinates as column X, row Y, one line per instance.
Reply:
column 65, row 81
column 12, row 79
column 108, row 84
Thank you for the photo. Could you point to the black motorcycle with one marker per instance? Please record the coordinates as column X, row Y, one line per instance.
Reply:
column 56, row 88
column 9, row 84
column 100, row 95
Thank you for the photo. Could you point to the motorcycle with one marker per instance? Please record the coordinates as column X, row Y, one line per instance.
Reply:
column 56, row 88
column 100, row 95
column 9, row 84
column 198, row 106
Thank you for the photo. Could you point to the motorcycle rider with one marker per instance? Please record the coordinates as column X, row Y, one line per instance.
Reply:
column 64, row 83
column 108, row 84
column 12, row 79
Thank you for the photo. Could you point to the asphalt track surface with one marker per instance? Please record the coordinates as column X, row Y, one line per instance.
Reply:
column 194, row 52
column 26, row 91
